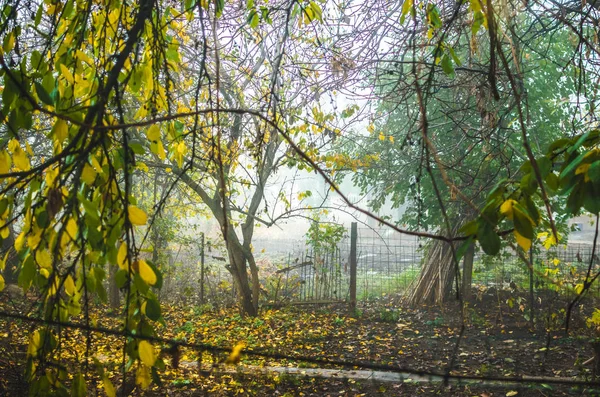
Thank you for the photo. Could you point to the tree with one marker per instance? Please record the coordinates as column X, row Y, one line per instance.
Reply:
column 90, row 93
column 447, row 123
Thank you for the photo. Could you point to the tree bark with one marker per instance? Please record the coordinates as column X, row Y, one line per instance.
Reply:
column 468, row 272
column 239, row 272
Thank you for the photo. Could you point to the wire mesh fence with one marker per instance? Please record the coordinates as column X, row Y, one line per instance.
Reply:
column 387, row 263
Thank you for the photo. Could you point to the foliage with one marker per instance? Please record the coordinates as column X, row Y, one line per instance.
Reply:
column 324, row 237
column 567, row 170
column 95, row 95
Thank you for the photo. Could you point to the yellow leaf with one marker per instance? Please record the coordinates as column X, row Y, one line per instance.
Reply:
column 34, row 238
column 137, row 216
column 147, row 353
column 381, row 137
column 160, row 150
column 234, row 357
column 34, row 344
column 512, row 393
column 583, row 169
column 3, row 262
column 556, row 261
column 1, row 283
column 153, row 133
column 72, row 228
column 109, row 389
column 43, row 258
column 51, row 174
column 88, row 174
column 506, row 208
column 122, row 257
column 20, row 242
column 96, row 165
column 391, row 138
column 142, row 376
column 579, row 289
column 4, row 232
column 9, row 42
column 61, row 130
column 67, row 74
column 69, row 285
column 523, row 242
column 5, row 162
column 20, row 159
column 146, row 272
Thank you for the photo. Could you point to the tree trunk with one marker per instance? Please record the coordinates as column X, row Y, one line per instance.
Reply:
column 239, row 272
column 468, row 272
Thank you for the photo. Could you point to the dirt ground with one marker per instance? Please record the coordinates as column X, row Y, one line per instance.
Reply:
column 497, row 341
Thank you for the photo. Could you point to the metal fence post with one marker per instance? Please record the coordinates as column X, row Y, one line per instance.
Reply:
column 353, row 238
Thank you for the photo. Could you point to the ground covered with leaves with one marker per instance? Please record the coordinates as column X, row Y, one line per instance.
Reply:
column 497, row 341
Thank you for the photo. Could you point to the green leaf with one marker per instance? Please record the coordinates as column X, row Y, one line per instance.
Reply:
column 406, row 7
column 591, row 203
column 570, row 167
column 27, row 273
column 219, row 6
column 78, row 388
column 522, row 223
column 121, row 278
column 593, row 172
column 487, row 237
column 91, row 210
column 470, row 228
column 575, row 200
column 478, row 19
column 43, row 94
column 552, row 181
column 153, row 309
column 253, row 19
column 582, row 139
column 460, row 252
column 447, row 66
column 544, row 165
